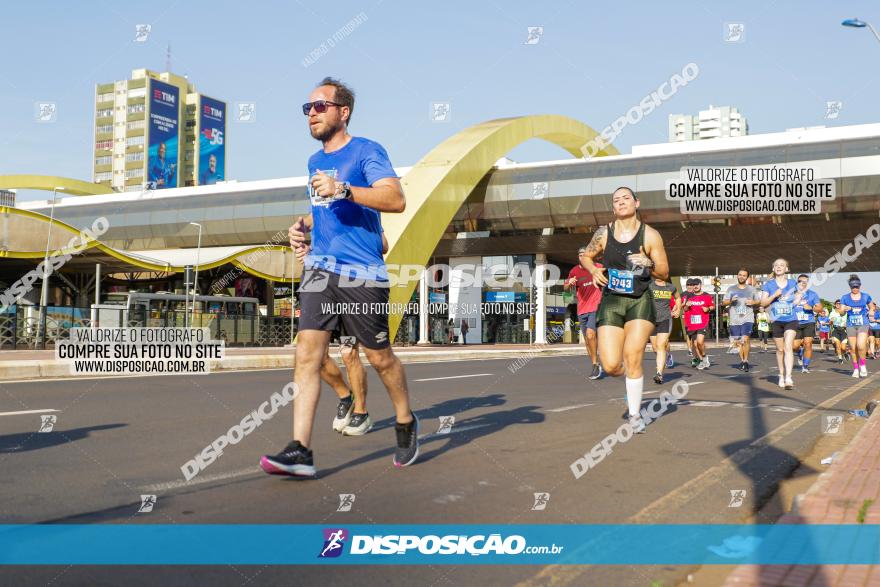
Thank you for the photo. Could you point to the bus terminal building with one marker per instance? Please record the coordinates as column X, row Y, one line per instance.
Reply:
column 466, row 206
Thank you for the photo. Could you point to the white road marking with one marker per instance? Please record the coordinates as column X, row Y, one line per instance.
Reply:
column 140, row 376
column 200, row 480
column 455, row 377
column 567, row 408
column 22, row 412
column 453, row 430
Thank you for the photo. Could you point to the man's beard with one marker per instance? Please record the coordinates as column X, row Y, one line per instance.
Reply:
column 323, row 136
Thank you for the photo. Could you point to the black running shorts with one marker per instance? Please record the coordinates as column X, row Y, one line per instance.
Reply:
column 361, row 310
column 778, row 329
column 806, row 331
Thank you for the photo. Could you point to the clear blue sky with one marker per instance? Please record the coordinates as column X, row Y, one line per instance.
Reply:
column 594, row 61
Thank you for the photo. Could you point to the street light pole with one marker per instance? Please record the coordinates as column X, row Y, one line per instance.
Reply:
column 196, row 278
column 860, row 24
column 44, row 289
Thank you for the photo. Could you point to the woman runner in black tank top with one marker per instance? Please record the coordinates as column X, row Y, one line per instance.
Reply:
column 626, row 315
column 624, row 279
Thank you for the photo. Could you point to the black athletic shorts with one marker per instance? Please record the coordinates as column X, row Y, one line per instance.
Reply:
column 663, row 327
column 361, row 311
column 806, row 331
column 778, row 329
column 839, row 332
column 692, row 334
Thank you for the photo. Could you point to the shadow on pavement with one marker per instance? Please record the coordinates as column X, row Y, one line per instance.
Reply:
column 463, row 432
column 449, row 408
column 26, row 441
column 754, row 463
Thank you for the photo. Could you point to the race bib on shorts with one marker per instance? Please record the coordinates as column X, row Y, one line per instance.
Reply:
column 855, row 320
column 620, row 281
column 317, row 200
column 783, row 309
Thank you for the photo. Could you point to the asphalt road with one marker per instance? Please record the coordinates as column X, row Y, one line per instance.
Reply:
column 515, row 434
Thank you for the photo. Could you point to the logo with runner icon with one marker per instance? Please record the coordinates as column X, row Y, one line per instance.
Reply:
column 334, row 542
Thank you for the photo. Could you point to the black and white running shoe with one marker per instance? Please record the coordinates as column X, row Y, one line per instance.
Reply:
column 359, row 425
column 407, row 442
column 295, row 460
column 344, row 409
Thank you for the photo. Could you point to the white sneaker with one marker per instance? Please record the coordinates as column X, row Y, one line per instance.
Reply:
column 706, row 360
column 863, row 371
column 638, row 425
column 782, row 381
column 855, row 373
column 789, row 383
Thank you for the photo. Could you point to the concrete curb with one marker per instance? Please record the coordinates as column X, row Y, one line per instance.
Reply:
column 41, row 369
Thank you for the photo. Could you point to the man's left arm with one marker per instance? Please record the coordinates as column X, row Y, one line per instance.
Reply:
column 385, row 195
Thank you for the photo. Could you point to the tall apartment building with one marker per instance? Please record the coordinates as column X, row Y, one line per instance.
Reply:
column 716, row 122
column 155, row 131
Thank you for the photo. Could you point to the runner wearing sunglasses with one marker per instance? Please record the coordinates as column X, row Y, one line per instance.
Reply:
column 855, row 304
column 351, row 181
column 633, row 254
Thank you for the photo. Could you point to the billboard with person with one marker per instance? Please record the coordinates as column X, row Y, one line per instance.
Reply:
column 212, row 141
column 163, row 135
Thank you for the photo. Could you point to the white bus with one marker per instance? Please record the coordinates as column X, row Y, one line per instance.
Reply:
column 232, row 318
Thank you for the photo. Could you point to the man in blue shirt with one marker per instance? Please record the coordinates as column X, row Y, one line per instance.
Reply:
column 805, row 309
column 210, row 175
column 161, row 173
column 344, row 281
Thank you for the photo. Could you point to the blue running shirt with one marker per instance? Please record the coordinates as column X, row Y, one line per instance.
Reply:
column 346, row 232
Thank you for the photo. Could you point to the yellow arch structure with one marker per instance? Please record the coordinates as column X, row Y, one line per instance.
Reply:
column 441, row 181
column 435, row 187
column 73, row 187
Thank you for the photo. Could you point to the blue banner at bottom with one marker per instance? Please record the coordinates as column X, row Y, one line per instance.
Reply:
column 673, row 544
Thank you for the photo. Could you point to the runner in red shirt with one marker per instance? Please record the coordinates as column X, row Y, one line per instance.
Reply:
column 696, row 317
column 589, row 294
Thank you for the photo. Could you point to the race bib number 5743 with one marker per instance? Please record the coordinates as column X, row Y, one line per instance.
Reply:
column 620, row 281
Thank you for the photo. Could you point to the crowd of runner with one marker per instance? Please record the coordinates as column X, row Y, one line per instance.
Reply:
column 624, row 302
column 783, row 309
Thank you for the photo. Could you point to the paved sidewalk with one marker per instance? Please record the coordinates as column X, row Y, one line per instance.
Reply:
column 34, row 364
column 835, row 498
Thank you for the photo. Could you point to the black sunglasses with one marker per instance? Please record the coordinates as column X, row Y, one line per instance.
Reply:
column 320, row 106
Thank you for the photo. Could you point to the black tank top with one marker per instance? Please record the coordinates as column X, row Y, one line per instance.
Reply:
column 632, row 284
